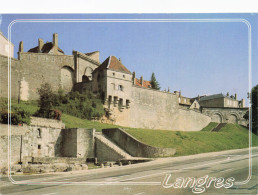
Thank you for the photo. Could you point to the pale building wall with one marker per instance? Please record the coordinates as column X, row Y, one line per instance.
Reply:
column 84, row 66
column 228, row 102
column 4, row 46
column 220, row 102
column 119, row 87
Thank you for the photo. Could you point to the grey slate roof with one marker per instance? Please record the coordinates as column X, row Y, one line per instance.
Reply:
column 215, row 96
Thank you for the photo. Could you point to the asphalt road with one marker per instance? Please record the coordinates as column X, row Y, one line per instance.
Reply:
column 156, row 177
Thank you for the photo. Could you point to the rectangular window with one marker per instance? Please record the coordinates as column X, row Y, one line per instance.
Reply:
column 109, row 98
column 120, row 88
column 121, row 102
column 115, row 99
column 39, row 132
column 39, row 147
column 127, row 103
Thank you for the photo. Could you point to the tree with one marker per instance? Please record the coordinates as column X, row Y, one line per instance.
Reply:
column 254, row 103
column 154, row 82
column 46, row 101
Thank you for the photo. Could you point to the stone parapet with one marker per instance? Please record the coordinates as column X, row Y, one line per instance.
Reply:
column 43, row 122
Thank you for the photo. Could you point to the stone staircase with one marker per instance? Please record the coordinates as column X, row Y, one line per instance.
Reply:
column 218, row 127
column 108, row 143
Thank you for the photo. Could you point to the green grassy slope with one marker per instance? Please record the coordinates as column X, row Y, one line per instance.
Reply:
column 230, row 137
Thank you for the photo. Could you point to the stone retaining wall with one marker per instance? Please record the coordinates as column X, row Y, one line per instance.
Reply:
column 134, row 147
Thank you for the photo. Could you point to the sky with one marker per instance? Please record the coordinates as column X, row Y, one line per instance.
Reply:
column 195, row 57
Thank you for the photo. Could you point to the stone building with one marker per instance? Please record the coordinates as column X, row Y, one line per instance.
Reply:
column 222, row 101
column 128, row 101
column 4, row 46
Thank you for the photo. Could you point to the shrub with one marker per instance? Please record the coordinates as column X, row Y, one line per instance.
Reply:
column 83, row 105
column 18, row 116
column 56, row 114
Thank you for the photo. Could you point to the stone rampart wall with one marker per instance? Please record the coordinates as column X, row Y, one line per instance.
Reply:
column 226, row 115
column 37, row 69
column 15, row 72
column 32, row 70
column 154, row 109
column 134, row 147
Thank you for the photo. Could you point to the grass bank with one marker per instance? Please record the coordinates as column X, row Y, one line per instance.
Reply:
column 232, row 136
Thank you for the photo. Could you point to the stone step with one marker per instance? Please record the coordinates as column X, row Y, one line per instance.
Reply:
column 218, row 127
column 113, row 146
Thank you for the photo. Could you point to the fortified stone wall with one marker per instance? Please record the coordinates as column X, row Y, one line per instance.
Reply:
column 44, row 138
column 15, row 145
column 134, row 147
column 78, row 143
column 226, row 115
column 34, row 69
column 160, row 110
column 39, row 68
column 69, row 141
column 15, row 69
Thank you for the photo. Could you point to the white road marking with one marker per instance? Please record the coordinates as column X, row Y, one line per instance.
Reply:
column 140, row 193
column 49, row 193
column 226, row 170
column 155, row 174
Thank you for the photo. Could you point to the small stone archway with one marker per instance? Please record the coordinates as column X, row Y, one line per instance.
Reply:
column 217, row 117
column 233, row 118
column 87, row 76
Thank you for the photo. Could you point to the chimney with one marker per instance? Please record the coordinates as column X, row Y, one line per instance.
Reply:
column 55, row 39
column 180, row 93
column 21, row 47
column 242, row 103
column 141, row 80
column 177, row 93
column 41, row 43
column 120, row 60
column 133, row 78
column 198, row 98
column 235, row 96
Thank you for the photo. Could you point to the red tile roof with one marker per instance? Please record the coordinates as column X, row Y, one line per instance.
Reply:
column 45, row 49
column 113, row 63
column 145, row 84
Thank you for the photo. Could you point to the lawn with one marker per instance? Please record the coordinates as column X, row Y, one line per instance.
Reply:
column 232, row 136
